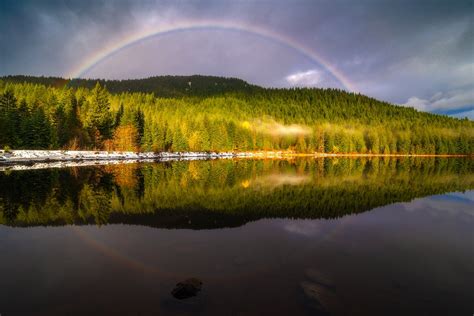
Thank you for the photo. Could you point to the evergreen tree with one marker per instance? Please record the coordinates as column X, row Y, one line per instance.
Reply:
column 40, row 129
column 99, row 117
column 8, row 119
column 179, row 142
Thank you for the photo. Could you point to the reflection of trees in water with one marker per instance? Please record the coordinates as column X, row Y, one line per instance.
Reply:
column 200, row 192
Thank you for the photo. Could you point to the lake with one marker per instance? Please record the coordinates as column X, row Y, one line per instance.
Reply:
column 326, row 236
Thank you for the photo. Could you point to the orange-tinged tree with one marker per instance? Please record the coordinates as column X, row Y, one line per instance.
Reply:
column 125, row 138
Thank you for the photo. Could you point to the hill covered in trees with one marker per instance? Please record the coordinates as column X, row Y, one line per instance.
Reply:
column 199, row 113
column 162, row 86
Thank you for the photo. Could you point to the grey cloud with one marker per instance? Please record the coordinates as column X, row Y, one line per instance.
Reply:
column 444, row 101
column 393, row 50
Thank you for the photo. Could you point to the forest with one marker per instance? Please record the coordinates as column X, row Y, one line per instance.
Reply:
column 219, row 193
column 203, row 113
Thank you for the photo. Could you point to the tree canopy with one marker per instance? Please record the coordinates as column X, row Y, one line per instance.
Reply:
column 198, row 114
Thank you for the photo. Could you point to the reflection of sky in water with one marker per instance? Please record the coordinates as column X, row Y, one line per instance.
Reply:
column 466, row 197
column 452, row 204
column 415, row 257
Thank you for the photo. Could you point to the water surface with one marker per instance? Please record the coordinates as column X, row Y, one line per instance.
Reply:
column 281, row 237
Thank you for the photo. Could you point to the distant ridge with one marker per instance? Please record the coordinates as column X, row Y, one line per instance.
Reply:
column 161, row 86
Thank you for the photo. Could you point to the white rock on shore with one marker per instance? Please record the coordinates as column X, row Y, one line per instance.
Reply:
column 31, row 156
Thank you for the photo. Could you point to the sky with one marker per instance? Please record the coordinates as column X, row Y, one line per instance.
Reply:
column 417, row 53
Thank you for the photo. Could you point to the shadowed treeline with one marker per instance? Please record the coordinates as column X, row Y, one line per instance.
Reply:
column 222, row 193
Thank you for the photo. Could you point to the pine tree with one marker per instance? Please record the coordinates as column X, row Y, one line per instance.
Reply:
column 99, row 117
column 40, row 129
column 118, row 116
column 8, row 119
column 179, row 141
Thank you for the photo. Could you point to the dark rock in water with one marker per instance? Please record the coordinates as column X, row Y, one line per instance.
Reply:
column 323, row 298
column 320, row 277
column 187, row 288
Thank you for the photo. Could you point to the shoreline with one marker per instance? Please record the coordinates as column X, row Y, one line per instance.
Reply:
column 16, row 160
column 32, row 156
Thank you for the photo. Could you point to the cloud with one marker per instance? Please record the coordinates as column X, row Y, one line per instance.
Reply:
column 271, row 127
column 417, row 103
column 286, row 130
column 453, row 99
column 457, row 99
column 305, row 228
column 308, row 78
column 469, row 114
column 391, row 50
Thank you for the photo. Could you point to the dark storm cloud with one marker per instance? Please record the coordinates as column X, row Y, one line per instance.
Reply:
column 38, row 35
column 414, row 52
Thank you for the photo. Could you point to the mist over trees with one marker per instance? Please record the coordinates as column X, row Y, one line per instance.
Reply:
column 200, row 113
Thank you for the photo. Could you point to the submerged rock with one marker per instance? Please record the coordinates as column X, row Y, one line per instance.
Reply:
column 321, row 297
column 320, row 291
column 187, row 288
column 320, row 277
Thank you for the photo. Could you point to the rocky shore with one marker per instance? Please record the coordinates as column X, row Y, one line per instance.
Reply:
column 28, row 156
column 38, row 159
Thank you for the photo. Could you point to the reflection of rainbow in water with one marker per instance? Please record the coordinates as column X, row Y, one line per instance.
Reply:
column 190, row 25
column 271, row 181
column 136, row 265
column 338, row 227
column 115, row 255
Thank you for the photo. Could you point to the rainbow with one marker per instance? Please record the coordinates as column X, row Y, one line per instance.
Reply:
column 128, row 41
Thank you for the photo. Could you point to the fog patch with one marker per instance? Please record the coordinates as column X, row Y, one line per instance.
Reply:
column 271, row 127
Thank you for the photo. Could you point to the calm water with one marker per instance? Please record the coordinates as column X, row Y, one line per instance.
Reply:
column 274, row 237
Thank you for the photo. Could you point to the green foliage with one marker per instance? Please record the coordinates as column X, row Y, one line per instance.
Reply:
column 8, row 118
column 163, row 86
column 97, row 115
column 216, row 114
